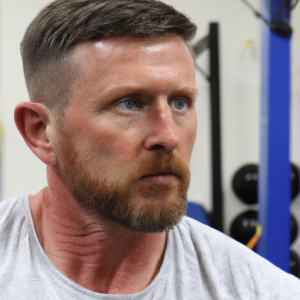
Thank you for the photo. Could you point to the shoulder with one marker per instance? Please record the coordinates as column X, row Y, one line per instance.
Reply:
column 11, row 208
column 235, row 267
column 12, row 217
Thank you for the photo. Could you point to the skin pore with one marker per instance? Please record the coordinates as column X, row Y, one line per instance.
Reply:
column 133, row 103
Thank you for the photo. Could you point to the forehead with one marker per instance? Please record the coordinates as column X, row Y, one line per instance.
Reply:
column 118, row 44
column 157, row 65
column 122, row 50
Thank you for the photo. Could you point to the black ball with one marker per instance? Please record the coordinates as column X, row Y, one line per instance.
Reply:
column 294, row 229
column 243, row 227
column 294, row 263
column 295, row 181
column 244, row 183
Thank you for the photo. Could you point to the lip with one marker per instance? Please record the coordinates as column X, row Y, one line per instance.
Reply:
column 161, row 178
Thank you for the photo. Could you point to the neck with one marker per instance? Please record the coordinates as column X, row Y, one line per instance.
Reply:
column 99, row 255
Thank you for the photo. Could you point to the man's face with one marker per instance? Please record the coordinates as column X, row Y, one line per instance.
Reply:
column 129, row 130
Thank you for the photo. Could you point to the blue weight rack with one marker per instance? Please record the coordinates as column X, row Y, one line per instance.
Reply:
column 274, row 191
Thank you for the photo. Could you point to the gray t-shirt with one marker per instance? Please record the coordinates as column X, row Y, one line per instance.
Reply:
column 199, row 263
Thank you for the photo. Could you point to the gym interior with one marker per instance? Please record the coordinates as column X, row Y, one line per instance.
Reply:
column 244, row 31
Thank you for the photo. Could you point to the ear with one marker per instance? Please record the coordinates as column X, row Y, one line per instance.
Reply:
column 32, row 120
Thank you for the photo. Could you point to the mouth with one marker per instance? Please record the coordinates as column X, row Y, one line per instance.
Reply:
column 160, row 178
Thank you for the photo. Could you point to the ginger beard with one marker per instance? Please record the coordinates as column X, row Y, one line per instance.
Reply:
column 130, row 200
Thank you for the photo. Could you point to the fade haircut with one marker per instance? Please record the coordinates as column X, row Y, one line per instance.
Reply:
column 51, row 37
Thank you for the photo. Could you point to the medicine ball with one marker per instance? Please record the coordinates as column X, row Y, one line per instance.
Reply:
column 243, row 227
column 294, row 263
column 245, row 181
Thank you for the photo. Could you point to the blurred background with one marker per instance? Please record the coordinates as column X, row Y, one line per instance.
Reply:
column 240, row 67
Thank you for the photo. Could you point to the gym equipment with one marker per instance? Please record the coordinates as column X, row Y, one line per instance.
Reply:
column 245, row 181
column 252, row 243
column 278, row 26
column 294, row 229
column 274, row 192
column 211, row 42
column 244, row 227
column 197, row 212
column 294, row 263
column 295, row 181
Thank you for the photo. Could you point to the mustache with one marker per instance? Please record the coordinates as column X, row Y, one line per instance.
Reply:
column 161, row 164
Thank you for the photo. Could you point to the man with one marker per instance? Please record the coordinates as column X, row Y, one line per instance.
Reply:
column 112, row 115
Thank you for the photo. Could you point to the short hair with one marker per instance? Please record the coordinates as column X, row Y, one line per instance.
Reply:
column 51, row 37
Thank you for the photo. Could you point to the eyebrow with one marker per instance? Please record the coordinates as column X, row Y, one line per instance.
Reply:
column 131, row 90
column 190, row 91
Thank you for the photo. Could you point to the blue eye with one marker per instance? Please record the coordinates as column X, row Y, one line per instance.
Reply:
column 179, row 104
column 127, row 105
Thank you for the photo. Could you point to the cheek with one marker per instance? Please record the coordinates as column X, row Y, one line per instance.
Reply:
column 111, row 146
column 187, row 139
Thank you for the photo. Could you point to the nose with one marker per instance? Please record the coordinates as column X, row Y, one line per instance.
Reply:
column 162, row 134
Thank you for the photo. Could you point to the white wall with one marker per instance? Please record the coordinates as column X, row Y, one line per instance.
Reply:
column 240, row 92
column 21, row 171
